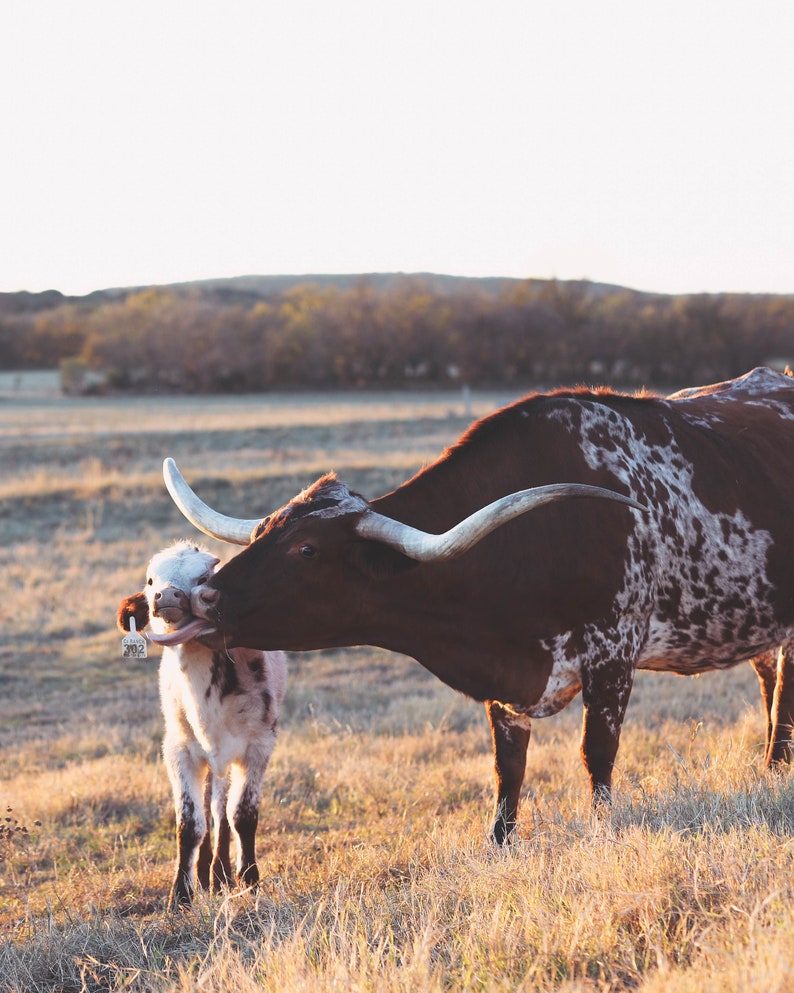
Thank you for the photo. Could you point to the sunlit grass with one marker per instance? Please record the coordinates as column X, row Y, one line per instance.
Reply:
column 377, row 873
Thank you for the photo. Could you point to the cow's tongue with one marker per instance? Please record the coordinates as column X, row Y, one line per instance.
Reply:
column 193, row 629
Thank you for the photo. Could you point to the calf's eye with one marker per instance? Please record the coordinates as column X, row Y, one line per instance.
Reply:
column 308, row 551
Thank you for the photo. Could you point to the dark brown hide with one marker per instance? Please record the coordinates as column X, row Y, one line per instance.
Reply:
column 572, row 596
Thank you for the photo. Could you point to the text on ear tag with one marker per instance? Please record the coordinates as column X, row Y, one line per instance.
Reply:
column 133, row 645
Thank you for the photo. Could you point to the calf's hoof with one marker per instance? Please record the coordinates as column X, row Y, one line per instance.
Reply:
column 221, row 874
column 503, row 832
column 248, row 877
column 181, row 895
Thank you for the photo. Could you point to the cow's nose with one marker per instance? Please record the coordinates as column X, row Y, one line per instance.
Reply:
column 204, row 599
column 209, row 595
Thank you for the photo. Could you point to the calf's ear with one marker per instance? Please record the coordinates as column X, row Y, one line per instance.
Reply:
column 133, row 606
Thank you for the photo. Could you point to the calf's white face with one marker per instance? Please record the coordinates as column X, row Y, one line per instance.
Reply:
column 170, row 576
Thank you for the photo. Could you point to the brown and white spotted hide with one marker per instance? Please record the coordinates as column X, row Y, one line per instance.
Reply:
column 221, row 711
column 568, row 598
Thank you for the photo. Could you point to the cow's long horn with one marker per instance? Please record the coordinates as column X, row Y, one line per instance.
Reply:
column 206, row 519
column 426, row 547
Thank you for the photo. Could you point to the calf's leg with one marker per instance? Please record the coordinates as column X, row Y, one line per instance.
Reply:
column 221, row 858
column 242, row 806
column 205, row 850
column 187, row 775
column 510, row 734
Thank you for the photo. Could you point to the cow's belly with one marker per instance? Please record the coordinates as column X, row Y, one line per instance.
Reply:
column 564, row 682
column 561, row 688
column 692, row 666
column 687, row 649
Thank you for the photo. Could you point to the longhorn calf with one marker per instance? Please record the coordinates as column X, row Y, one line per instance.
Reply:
column 221, row 710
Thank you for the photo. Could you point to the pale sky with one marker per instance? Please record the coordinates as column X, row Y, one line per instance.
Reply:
column 644, row 143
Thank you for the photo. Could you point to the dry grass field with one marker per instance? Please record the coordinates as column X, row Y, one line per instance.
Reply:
column 377, row 875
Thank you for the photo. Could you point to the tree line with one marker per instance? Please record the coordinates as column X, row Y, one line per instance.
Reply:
column 392, row 333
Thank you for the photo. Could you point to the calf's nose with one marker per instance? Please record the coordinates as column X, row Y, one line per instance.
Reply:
column 171, row 594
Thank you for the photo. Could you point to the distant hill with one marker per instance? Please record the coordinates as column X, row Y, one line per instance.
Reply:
column 268, row 285
column 244, row 288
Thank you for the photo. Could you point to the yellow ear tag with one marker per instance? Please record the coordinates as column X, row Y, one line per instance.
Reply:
column 133, row 645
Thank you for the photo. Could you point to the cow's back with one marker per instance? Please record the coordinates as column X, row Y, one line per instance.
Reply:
column 712, row 564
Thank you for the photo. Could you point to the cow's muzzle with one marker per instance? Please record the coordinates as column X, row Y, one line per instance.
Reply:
column 204, row 601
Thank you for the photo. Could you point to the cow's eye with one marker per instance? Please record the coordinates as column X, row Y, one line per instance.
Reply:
column 308, row 551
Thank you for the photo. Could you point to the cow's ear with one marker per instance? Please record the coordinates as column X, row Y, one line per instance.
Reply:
column 379, row 561
column 133, row 606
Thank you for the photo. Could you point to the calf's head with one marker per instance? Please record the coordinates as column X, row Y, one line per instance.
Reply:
column 164, row 602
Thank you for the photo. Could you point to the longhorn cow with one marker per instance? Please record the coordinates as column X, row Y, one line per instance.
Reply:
column 482, row 568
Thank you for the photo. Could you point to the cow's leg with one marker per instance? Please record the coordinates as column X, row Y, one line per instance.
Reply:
column 766, row 669
column 187, row 774
column 205, row 850
column 605, row 694
column 776, row 674
column 783, row 711
column 221, row 857
column 510, row 734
